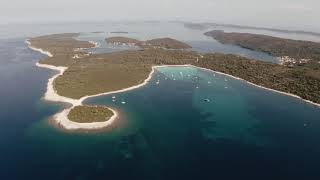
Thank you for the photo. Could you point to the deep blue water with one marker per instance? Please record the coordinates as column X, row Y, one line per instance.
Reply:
column 167, row 131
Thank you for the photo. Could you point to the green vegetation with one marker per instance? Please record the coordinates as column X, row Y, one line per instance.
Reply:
column 113, row 71
column 122, row 40
column 164, row 43
column 88, row 114
column 100, row 73
column 278, row 47
column 302, row 79
column 61, row 46
column 203, row 26
column 303, row 82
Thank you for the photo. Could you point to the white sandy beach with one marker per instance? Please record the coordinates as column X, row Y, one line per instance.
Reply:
column 37, row 49
column 62, row 117
column 51, row 95
column 96, row 44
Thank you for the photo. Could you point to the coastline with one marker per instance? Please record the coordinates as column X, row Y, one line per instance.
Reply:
column 96, row 44
column 61, row 118
column 262, row 87
column 189, row 65
column 37, row 49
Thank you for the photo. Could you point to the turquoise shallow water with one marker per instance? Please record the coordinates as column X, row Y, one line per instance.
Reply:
column 196, row 123
column 193, row 124
column 226, row 104
column 170, row 130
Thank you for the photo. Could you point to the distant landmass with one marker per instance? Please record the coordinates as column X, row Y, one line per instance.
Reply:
column 291, row 52
column 165, row 43
column 122, row 40
column 205, row 26
column 119, row 32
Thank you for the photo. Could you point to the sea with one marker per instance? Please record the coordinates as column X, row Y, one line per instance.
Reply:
column 186, row 123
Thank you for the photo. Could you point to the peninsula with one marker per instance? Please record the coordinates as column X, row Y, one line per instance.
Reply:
column 206, row 26
column 290, row 52
column 99, row 74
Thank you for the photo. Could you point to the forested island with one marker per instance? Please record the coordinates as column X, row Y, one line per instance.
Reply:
column 291, row 52
column 205, row 26
column 96, row 74
column 164, row 43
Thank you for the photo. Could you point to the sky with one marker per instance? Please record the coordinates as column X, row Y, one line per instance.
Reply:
column 298, row 14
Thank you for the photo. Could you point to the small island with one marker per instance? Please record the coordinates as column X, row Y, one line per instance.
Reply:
column 107, row 73
column 163, row 43
column 166, row 43
column 90, row 114
column 118, row 40
column 119, row 32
